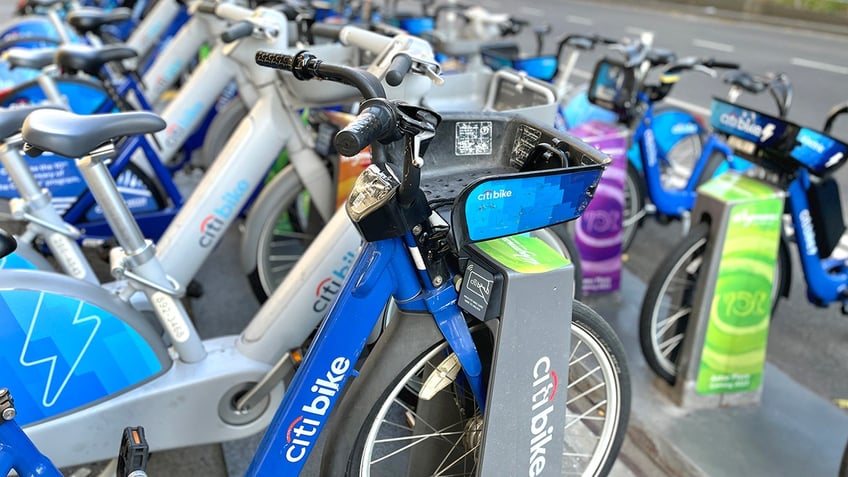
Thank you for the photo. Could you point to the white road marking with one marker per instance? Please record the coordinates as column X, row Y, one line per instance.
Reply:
column 579, row 20
column 818, row 65
column 712, row 45
column 688, row 106
column 531, row 11
column 636, row 30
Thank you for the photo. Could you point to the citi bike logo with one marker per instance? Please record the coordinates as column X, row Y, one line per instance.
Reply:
column 544, row 389
column 302, row 431
column 177, row 130
column 747, row 123
column 810, row 246
column 494, row 194
column 214, row 223
column 329, row 287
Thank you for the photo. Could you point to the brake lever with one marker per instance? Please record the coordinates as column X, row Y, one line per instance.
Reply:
column 706, row 70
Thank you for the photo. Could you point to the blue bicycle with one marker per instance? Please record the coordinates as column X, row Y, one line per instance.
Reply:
column 411, row 254
column 446, row 367
column 797, row 159
column 676, row 153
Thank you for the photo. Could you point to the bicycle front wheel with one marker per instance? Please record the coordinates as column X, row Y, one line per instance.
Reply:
column 286, row 226
column 669, row 301
column 634, row 206
column 405, row 435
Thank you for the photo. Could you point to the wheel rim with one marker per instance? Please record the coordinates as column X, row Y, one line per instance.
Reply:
column 594, row 405
column 283, row 241
column 632, row 211
column 675, row 305
column 400, row 428
column 591, row 417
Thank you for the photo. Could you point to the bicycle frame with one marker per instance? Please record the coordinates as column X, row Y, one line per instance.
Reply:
column 382, row 270
column 183, row 115
column 674, row 203
column 827, row 278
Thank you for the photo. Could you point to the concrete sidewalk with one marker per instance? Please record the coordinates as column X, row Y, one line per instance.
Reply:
column 793, row 432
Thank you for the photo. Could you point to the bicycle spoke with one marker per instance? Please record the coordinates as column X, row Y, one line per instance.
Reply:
column 584, row 376
column 588, row 411
column 669, row 344
column 587, row 392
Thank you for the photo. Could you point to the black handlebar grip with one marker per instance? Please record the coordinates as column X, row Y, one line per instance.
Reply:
column 728, row 65
column 278, row 61
column 326, row 30
column 237, row 31
column 401, row 64
column 370, row 125
column 207, row 7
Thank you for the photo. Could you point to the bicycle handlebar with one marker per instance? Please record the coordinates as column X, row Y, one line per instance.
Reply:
column 835, row 112
column 778, row 85
column 305, row 66
column 237, row 31
column 400, row 66
column 207, row 7
column 326, row 30
column 372, row 124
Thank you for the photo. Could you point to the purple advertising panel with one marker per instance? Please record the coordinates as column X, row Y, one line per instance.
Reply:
column 598, row 230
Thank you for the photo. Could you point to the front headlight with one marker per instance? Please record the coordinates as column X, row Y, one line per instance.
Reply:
column 372, row 189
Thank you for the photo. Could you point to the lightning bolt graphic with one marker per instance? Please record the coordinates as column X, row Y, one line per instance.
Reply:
column 47, row 401
column 768, row 132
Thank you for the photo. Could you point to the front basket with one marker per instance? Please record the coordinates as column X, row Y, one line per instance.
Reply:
column 507, row 175
column 776, row 143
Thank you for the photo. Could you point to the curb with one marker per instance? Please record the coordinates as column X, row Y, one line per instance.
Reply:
column 709, row 11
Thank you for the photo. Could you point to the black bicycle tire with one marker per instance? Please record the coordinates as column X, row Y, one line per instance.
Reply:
column 259, row 282
column 634, row 183
column 664, row 272
column 687, row 247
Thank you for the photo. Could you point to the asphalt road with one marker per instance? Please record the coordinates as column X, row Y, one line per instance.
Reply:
column 808, row 343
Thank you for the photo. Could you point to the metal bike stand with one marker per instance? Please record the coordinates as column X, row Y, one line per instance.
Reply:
column 722, row 358
column 516, row 281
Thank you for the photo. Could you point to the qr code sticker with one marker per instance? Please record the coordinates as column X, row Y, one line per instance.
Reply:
column 473, row 138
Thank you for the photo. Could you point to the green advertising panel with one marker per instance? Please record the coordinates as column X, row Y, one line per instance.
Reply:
column 734, row 350
column 523, row 253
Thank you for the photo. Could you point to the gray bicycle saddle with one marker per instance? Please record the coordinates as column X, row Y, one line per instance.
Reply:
column 89, row 19
column 35, row 58
column 74, row 135
column 90, row 59
column 43, row 3
column 12, row 119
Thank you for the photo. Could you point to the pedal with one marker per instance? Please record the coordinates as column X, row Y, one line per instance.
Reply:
column 133, row 454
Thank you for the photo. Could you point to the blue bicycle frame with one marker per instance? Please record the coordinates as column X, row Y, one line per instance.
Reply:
column 382, row 270
column 87, row 97
column 671, row 202
column 22, row 455
column 827, row 278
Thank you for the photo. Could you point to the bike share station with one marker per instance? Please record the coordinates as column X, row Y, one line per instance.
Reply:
column 729, row 412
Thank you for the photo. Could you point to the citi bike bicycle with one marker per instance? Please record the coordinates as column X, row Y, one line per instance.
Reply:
column 182, row 114
column 232, row 385
column 797, row 159
column 675, row 154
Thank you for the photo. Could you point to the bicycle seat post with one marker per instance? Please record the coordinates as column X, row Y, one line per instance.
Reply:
column 136, row 259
